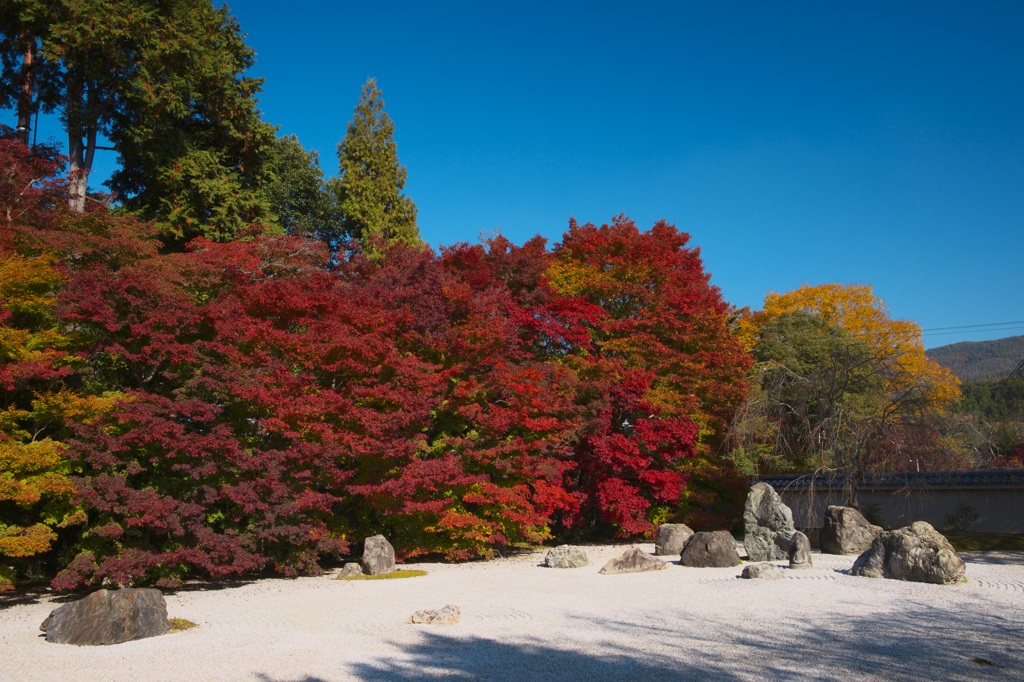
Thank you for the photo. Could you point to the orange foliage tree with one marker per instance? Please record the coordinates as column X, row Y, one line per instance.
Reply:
column 908, row 387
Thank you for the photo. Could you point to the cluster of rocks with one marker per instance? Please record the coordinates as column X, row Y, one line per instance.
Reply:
column 917, row 552
column 769, row 534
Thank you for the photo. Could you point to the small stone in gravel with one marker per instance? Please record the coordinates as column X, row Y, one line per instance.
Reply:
column 762, row 572
column 566, row 556
column 633, row 561
column 449, row 615
column 350, row 570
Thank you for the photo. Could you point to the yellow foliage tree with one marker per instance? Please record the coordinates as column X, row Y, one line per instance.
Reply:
column 36, row 490
column 895, row 344
column 862, row 397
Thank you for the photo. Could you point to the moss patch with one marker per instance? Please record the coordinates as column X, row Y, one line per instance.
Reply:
column 393, row 575
column 965, row 541
column 180, row 625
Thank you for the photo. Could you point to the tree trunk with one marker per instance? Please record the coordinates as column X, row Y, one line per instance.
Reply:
column 25, row 96
column 79, row 151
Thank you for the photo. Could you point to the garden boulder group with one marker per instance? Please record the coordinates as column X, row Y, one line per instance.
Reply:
column 917, row 553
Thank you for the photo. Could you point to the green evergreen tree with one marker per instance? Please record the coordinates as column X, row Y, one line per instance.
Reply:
column 162, row 81
column 299, row 195
column 369, row 188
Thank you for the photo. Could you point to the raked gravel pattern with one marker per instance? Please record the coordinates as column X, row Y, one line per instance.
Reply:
column 521, row 621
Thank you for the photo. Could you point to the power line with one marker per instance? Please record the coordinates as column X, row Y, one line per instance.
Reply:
column 1001, row 329
column 973, row 326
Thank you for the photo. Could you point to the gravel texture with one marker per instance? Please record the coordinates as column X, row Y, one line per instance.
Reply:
column 522, row 621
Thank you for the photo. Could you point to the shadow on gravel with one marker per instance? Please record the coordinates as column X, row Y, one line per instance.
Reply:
column 917, row 643
column 24, row 596
column 994, row 558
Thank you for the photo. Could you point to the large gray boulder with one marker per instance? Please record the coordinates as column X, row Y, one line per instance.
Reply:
column 768, row 524
column 566, row 556
column 846, row 531
column 108, row 617
column 800, row 552
column 378, row 556
column 762, row 571
column 633, row 561
column 671, row 538
column 917, row 552
column 710, row 550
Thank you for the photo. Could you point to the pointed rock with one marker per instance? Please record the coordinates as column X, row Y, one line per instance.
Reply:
column 378, row 556
column 768, row 524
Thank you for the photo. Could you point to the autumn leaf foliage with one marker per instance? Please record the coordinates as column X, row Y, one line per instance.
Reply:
column 659, row 378
column 261, row 405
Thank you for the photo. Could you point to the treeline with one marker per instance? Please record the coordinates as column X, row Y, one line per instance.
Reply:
column 981, row 360
column 992, row 412
column 259, row 404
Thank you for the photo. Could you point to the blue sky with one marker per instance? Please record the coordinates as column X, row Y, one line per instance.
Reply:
column 868, row 142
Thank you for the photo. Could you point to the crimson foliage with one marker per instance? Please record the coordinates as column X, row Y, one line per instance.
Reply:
column 662, row 380
column 267, row 405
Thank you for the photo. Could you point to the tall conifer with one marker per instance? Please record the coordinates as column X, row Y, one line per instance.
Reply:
column 370, row 185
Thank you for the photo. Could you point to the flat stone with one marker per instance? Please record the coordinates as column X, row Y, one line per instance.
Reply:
column 449, row 615
column 566, row 556
column 671, row 538
column 108, row 617
column 762, row 571
column 633, row 561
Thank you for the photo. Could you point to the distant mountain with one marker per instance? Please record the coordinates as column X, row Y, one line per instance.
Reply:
column 976, row 360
